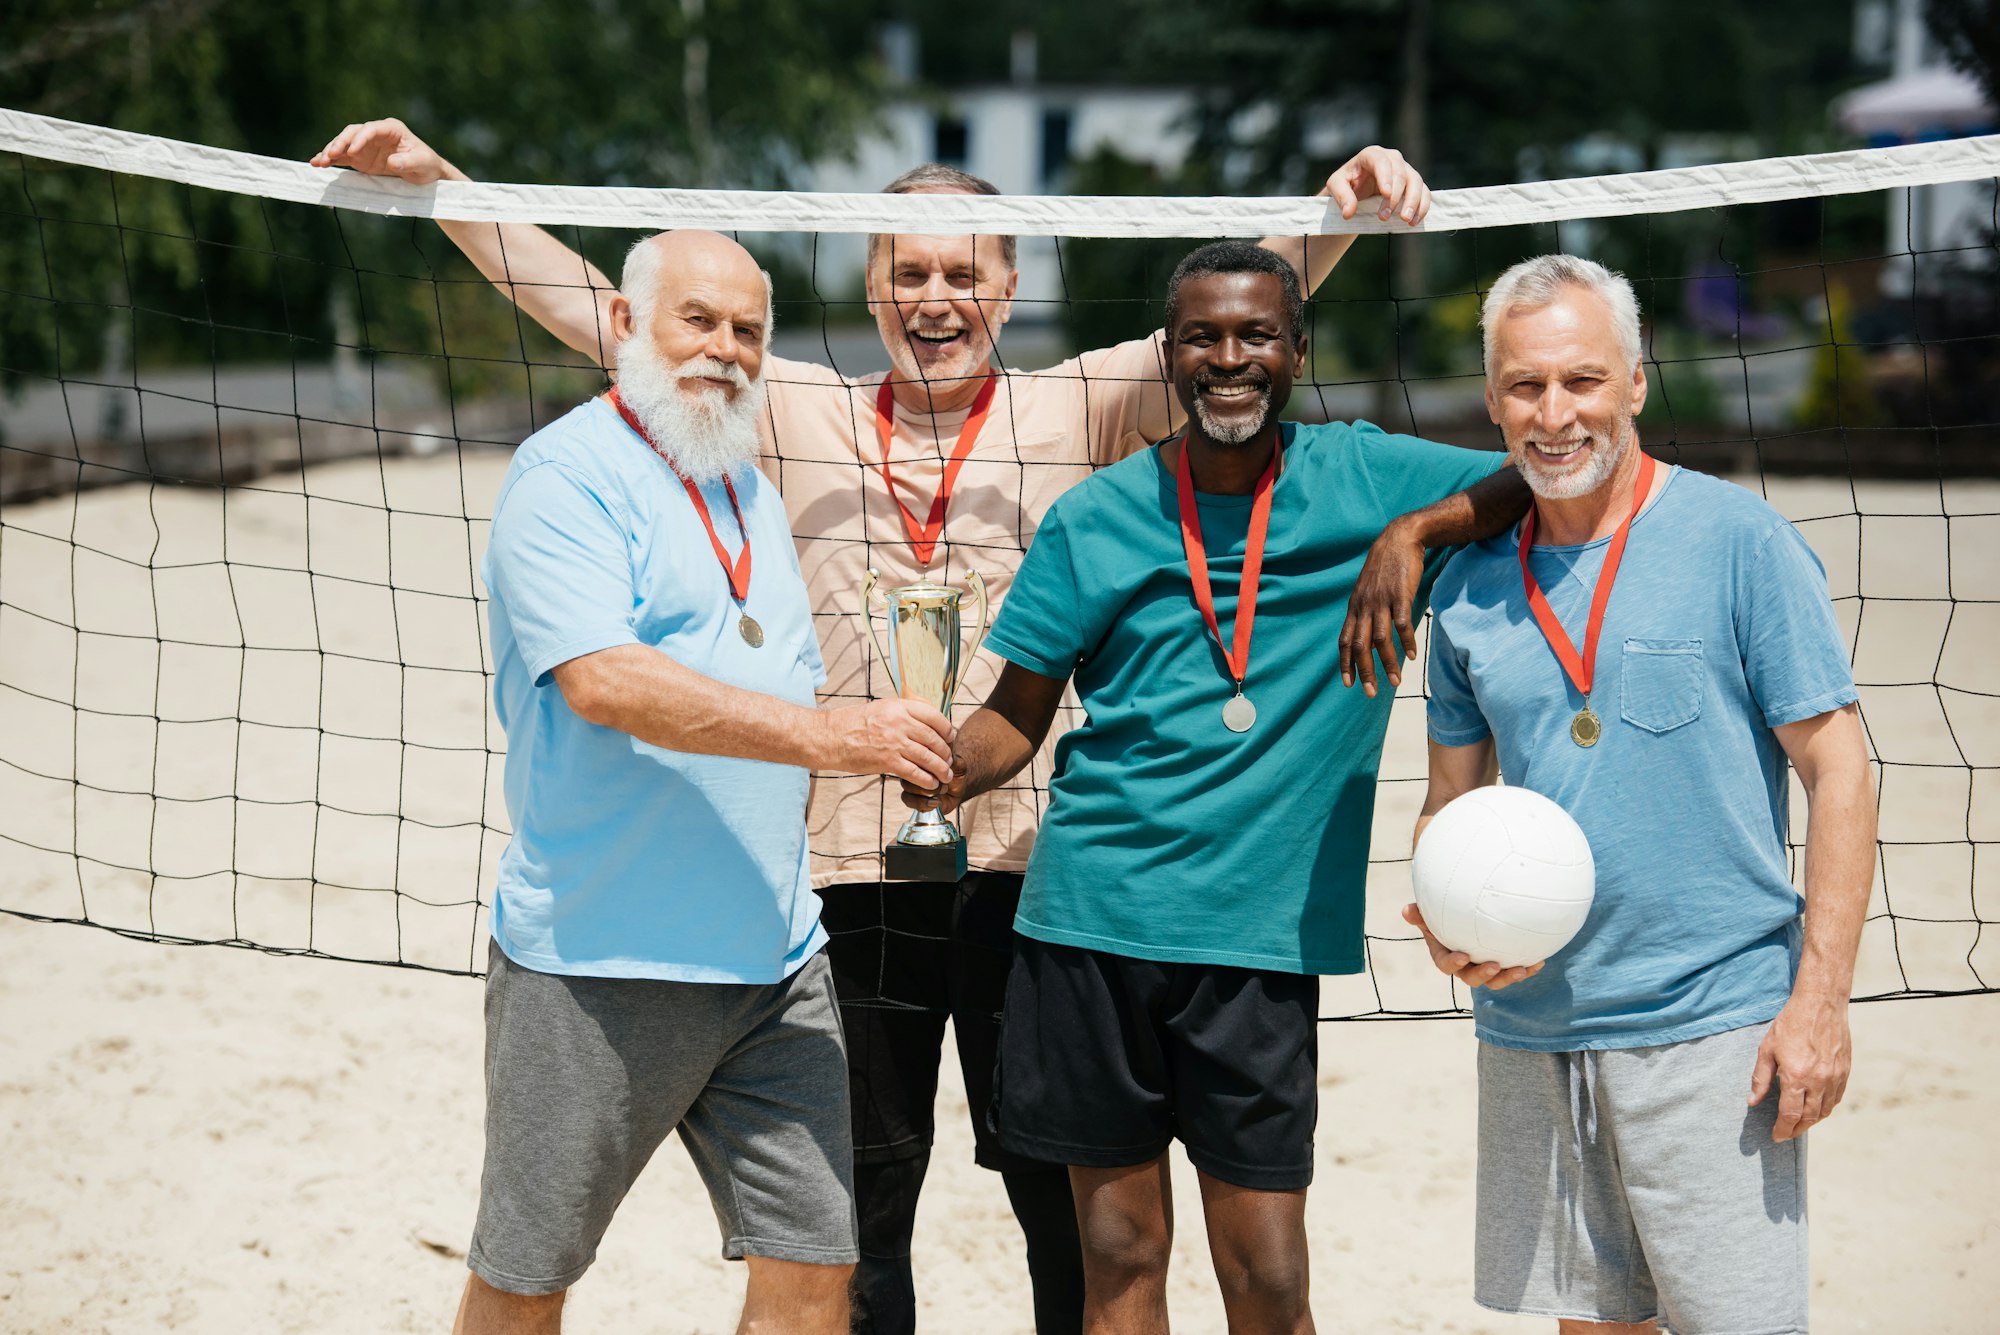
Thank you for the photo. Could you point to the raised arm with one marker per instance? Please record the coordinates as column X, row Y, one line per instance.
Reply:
column 997, row 742
column 1378, row 612
column 640, row 691
column 1374, row 171
column 559, row 289
column 1806, row 1051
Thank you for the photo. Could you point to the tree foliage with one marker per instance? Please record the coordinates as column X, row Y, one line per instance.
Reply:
column 1969, row 32
column 576, row 91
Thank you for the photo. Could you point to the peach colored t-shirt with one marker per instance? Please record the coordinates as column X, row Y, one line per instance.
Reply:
column 1046, row 430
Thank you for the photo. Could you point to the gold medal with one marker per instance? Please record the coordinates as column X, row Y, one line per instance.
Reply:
column 1586, row 727
column 752, row 633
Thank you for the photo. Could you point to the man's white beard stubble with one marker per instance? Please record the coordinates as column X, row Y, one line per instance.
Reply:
column 1568, row 484
column 707, row 435
column 1232, row 433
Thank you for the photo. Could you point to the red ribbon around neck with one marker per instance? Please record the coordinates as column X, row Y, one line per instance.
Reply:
column 1582, row 671
column 737, row 570
column 924, row 536
column 1253, row 562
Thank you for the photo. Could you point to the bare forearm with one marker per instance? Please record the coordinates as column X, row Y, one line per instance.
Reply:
column 1455, row 771
column 640, row 691
column 1312, row 257
column 553, row 285
column 990, row 750
column 1840, row 872
column 1489, row 506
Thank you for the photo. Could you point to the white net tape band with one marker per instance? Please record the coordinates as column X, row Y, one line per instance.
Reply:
column 1670, row 191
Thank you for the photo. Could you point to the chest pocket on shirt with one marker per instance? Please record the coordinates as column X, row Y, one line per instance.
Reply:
column 1661, row 684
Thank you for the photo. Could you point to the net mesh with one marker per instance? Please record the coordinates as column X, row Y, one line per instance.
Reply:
column 249, row 449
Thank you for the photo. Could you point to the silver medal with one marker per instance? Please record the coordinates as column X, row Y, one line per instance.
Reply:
column 753, row 634
column 1239, row 714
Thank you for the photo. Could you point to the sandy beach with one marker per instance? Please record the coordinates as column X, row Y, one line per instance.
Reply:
column 273, row 696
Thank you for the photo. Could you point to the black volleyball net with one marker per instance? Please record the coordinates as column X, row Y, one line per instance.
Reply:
column 254, row 417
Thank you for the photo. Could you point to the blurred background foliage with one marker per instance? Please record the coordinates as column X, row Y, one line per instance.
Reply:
column 103, row 270
column 588, row 92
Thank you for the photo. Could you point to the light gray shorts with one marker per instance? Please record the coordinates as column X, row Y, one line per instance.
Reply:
column 1635, row 1185
column 586, row 1076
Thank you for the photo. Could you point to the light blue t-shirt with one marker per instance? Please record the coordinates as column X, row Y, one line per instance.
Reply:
column 629, row 861
column 1719, row 629
column 1169, row 837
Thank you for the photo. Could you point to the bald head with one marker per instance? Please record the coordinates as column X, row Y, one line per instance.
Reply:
column 667, row 266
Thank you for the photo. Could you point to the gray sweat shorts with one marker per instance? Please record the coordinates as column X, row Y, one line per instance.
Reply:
column 585, row 1077
column 1635, row 1185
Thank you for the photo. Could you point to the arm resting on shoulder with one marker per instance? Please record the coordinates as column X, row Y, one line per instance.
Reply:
column 557, row 288
column 639, row 690
column 1807, row 1048
column 1378, row 611
column 997, row 742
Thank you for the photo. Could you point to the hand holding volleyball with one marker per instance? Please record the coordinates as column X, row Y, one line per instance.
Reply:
column 1504, row 878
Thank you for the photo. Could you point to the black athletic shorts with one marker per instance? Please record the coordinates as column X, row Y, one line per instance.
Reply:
column 906, row 956
column 1104, row 1059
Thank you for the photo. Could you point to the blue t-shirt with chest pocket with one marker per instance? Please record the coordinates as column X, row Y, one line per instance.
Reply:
column 1719, row 629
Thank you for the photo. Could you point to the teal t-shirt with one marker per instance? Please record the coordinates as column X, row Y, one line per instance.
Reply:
column 1168, row 837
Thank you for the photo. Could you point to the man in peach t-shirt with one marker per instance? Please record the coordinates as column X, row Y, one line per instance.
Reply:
column 907, row 955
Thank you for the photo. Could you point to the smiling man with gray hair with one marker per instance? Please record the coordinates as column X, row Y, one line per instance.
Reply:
column 1653, row 648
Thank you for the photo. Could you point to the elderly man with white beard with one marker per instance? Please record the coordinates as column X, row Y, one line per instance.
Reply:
column 1650, row 649
column 657, row 958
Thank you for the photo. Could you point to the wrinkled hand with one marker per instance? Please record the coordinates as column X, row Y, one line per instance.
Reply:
column 1459, row 964
column 1808, row 1050
column 1378, row 611
column 943, row 799
column 383, row 148
column 904, row 739
column 1379, row 171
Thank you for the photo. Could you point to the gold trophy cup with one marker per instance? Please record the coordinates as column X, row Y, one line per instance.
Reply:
column 926, row 631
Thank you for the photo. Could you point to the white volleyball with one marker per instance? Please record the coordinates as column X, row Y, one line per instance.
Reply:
column 1505, row 875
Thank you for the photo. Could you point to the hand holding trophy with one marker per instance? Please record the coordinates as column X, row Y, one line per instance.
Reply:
column 922, row 657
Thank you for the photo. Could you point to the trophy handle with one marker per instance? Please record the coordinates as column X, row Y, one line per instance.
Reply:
column 868, row 623
column 979, row 591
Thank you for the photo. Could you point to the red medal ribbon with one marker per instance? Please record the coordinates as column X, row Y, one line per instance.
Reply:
column 1582, row 670
column 1253, row 561
column 737, row 570
column 924, row 536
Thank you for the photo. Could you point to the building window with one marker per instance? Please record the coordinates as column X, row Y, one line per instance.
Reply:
column 1057, row 126
column 951, row 140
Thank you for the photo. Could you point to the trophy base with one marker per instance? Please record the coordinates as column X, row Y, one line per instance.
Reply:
column 924, row 862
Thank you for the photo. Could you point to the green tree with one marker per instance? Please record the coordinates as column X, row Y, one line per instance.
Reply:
column 1969, row 32
column 671, row 92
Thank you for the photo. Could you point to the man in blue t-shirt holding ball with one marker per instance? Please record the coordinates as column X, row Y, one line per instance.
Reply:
column 1650, row 649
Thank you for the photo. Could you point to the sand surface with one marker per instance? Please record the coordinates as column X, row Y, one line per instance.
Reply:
column 274, row 698
column 214, row 1140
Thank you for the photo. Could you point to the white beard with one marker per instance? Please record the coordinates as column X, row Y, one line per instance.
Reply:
column 1237, row 432
column 1569, row 483
column 706, row 435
